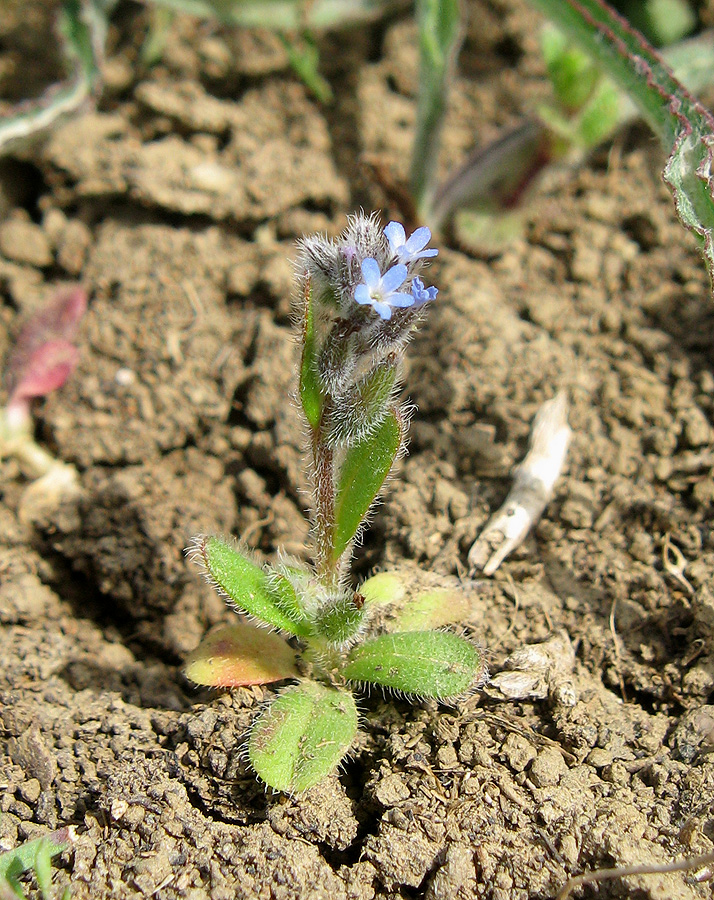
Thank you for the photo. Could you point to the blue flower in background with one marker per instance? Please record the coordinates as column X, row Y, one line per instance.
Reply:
column 421, row 294
column 380, row 291
column 409, row 250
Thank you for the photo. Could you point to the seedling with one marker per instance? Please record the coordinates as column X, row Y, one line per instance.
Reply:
column 361, row 297
column 42, row 359
column 34, row 856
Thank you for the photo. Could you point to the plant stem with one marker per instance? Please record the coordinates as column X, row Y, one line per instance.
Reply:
column 326, row 566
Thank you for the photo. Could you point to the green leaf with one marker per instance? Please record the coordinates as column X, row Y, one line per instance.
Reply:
column 34, row 856
column 361, row 477
column 341, row 618
column 302, row 736
column 363, row 407
column 247, row 585
column 242, row 654
column 685, row 127
column 427, row 663
column 414, row 600
column 310, row 393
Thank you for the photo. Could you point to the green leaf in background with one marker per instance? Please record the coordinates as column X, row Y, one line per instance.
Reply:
column 362, row 475
column 34, row 856
column 238, row 655
column 284, row 15
column 302, row 736
column 435, row 664
column 247, row 585
column 684, row 125
column 310, row 393
column 572, row 72
column 440, row 35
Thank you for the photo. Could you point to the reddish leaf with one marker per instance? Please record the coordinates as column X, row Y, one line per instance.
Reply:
column 238, row 655
column 44, row 356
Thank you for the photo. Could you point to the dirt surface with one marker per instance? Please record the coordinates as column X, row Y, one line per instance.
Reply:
column 177, row 203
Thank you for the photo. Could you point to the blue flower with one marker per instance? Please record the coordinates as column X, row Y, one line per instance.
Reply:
column 408, row 251
column 380, row 291
column 421, row 294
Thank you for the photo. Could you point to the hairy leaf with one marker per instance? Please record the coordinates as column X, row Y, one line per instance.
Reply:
column 302, row 736
column 427, row 663
column 247, row 585
column 240, row 654
column 362, row 475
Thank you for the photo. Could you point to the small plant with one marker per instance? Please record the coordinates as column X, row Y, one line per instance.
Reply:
column 34, row 856
column 42, row 359
column 360, row 300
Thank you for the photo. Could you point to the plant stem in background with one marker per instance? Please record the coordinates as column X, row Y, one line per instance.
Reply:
column 440, row 36
column 684, row 125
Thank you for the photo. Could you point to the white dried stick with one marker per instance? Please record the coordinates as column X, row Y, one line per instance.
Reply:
column 534, row 480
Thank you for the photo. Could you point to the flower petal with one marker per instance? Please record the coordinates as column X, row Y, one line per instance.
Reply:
column 395, row 234
column 400, row 300
column 393, row 278
column 419, row 239
column 371, row 272
column 384, row 310
column 362, row 294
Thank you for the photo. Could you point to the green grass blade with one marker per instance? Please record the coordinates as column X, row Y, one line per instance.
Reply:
column 440, row 34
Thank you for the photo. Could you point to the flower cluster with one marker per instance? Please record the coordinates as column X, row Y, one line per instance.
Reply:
column 382, row 291
column 372, row 267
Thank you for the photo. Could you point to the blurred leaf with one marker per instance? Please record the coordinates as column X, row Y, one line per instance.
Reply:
column 426, row 663
column 572, row 71
column 440, row 35
column 240, row 654
column 284, row 15
column 304, row 57
column 661, row 21
column 310, row 393
column 302, row 736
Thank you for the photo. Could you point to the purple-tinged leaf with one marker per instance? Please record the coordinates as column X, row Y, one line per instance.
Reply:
column 44, row 355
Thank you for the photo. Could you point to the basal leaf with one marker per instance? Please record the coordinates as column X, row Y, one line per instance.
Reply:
column 247, row 585
column 362, row 474
column 238, row 655
column 302, row 736
column 427, row 663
